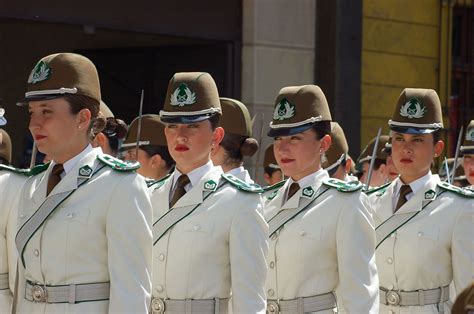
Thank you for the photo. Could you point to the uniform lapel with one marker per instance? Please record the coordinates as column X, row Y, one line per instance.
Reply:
column 195, row 195
column 384, row 204
column 418, row 200
column 70, row 180
column 41, row 184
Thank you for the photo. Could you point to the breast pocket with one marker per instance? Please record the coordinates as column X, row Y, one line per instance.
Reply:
column 429, row 247
column 71, row 215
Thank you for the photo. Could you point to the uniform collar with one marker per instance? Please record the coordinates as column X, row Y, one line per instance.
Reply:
column 415, row 186
column 71, row 163
column 194, row 175
column 313, row 181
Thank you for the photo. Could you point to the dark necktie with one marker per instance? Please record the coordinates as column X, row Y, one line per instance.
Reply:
column 294, row 187
column 54, row 177
column 402, row 199
column 183, row 180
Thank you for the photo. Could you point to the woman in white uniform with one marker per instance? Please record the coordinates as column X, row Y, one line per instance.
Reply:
column 467, row 151
column 210, row 240
column 238, row 141
column 84, row 235
column 424, row 226
column 321, row 233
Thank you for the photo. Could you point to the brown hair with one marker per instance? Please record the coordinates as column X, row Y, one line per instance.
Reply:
column 237, row 146
column 79, row 102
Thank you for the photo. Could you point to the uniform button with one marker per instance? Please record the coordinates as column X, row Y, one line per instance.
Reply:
column 302, row 233
column 159, row 288
column 161, row 257
column 391, row 312
column 271, row 292
column 392, row 235
column 70, row 215
column 22, row 215
column 420, row 234
column 390, row 287
column 274, row 237
column 272, row 264
column 36, row 252
column 389, row 260
column 197, row 227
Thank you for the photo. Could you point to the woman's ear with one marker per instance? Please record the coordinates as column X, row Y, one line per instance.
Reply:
column 325, row 143
column 84, row 119
column 217, row 136
column 438, row 148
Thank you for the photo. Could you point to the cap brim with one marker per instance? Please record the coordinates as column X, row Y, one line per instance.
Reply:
column 467, row 151
column 411, row 130
column 25, row 101
column 186, row 119
column 289, row 131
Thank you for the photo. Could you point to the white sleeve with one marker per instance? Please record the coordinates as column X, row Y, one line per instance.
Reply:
column 129, row 241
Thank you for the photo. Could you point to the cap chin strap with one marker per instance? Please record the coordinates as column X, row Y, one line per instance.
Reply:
column 296, row 124
column 62, row 90
column 416, row 125
column 336, row 164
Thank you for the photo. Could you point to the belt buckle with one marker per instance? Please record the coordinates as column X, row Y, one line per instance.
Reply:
column 39, row 293
column 158, row 305
column 392, row 297
column 273, row 307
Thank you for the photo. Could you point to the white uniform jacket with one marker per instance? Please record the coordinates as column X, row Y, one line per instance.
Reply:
column 101, row 233
column 10, row 187
column 432, row 249
column 217, row 251
column 330, row 245
column 242, row 174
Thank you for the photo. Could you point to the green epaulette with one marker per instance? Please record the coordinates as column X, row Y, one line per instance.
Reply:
column 26, row 172
column 242, row 185
column 452, row 188
column 343, row 186
column 157, row 183
column 117, row 164
column 380, row 188
column 274, row 186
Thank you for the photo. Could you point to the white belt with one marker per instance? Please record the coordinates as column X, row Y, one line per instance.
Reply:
column 188, row 306
column 414, row 298
column 68, row 293
column 315, row 303
column 4, row 281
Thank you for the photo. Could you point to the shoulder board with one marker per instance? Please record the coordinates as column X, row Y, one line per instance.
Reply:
column 242, row 185
column 380, row 188
column 26, row 172
column 343, row 186
column 275, row 186
column 452, row 188
column 117, row 164
column 157, row 183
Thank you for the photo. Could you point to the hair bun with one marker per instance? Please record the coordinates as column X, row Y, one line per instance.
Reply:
column 249, row 147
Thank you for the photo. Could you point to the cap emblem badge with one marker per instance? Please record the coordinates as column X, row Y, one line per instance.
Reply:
column 40, row 72
column 182, row 96
column 284, row 110
column 413, row 109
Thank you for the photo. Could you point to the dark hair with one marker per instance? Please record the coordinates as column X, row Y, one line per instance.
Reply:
column 152, row 150
column 79, row 102
column 3, row 161
column 437, row 136
column 321, row 129
column 270, row 170
column 115, row 130
column 214, row 120
column 378, row 162
column 237, row 147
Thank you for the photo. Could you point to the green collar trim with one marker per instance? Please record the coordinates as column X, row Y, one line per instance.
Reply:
column 380, row 188
column 343, row 186
column 157, row 183
column 275, row 186
column 463, row 192
column 117, row 164
column 242, row 185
